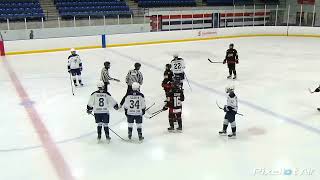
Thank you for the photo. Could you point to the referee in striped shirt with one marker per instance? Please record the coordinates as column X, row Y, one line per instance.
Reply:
column 134, row 75
column 105, row 77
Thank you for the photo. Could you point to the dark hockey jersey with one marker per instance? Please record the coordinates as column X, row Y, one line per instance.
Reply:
column 231, row 56
column 175, row 98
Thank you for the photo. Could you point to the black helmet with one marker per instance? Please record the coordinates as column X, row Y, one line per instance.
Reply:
column 231, row 45
column 106, row 64
column 168, row 66
column 137, row 65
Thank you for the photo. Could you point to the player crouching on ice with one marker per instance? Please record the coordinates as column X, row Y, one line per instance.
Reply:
column 100, row 101
column 75, row 67
column 231, row 110
column 135, row 107
column 174, row 103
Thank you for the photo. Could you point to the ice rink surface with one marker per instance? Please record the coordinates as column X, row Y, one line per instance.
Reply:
column 277, row 138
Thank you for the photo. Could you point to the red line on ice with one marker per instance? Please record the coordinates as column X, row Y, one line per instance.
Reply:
column 55, row 156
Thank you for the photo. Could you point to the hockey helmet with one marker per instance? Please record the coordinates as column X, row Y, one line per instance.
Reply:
column 100, row 85
column 106, row 64
column 168, row 66
column 137, row 65
column 231, row 46
column 175, row 56
column 72, row 50
column 135, row 86
column 229, row 89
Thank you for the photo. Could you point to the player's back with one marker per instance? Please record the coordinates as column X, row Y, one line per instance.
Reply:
column 176, row 97
column 134, row 103
column 177, row 65
column 102, row 101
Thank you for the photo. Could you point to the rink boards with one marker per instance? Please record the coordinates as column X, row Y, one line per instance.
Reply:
column 117, row 40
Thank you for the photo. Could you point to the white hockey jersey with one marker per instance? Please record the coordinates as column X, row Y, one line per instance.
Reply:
column 177, row 66
column 74, row 62
column 134, row 104
column 101, row 102
column 232, row 101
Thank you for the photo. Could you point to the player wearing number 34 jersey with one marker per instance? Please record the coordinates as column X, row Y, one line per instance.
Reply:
column 135, row 107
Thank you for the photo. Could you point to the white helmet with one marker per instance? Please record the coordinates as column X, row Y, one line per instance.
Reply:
column 175, row 55
column 72, row 50
column 100, row 85
column 229, row 89
column 135, row 86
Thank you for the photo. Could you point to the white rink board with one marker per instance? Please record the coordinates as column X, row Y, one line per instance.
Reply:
column 155, row 37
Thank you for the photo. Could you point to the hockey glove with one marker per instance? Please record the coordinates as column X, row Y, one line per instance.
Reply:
column 143, row 111
column 165, row 108
column 317, row 90
column 224, row 61
column 225, row 108
column 237, row 61
column 89, row 111
column 116, row 107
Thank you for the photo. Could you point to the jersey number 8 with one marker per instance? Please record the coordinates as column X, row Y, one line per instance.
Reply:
column 101, row 102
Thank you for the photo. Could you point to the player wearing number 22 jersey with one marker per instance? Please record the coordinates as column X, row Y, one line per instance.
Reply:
column 174, row 103
column 177, row 67
column 100, row 102
column 135, row 107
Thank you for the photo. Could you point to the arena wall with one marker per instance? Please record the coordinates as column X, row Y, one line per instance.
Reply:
column 117, row 40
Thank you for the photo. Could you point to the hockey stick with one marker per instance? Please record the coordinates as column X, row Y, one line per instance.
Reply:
column 150, row 106
column 310, row 91
column 188, row 82
column 155, row 113
column 113, row 131
column 223, row 109
column 214, row 61
column 71, row 85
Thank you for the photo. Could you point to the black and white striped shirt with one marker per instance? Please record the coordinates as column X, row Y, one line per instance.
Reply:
column 134, row 76
column 105, row 77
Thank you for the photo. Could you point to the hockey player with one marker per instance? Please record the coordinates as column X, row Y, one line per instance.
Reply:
column 231, row 59
column 168, row 74
column 168, row 78
column 100, row 102
column 174, row 103
column 231, row 110
column 134, row 75
column 177, row 67
column 135, row 107
column 75, row 67
column 105, row 77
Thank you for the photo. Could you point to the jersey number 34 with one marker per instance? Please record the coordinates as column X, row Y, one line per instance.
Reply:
column 134, row 104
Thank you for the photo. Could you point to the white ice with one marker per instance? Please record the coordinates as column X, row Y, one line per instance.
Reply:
column 280, row 128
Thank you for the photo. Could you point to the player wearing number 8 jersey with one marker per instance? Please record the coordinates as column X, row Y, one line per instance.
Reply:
column 135, row 107
column 100, row 102
column 174, row 103
column 177, row 67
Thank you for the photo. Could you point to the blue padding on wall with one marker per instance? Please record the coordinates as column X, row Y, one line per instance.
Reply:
column 103, row 38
